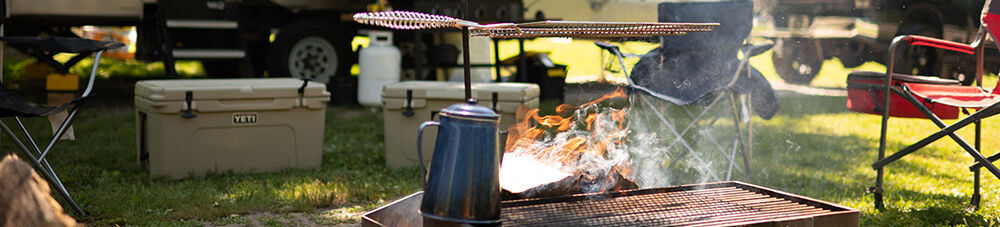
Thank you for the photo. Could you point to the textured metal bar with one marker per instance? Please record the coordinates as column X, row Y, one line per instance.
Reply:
column 578, row 29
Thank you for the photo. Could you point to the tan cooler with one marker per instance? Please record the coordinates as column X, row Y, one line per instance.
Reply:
column 407, row 104
column 192, row 127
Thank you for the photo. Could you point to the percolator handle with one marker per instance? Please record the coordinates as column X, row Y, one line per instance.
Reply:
column 420, row 153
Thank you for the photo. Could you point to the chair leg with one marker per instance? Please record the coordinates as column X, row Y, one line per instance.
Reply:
column 975, row 190
column 738, row 137
column 877, row 189
column 748, row 155
column 43, row 167
column 678, row 135
column 879, row 170
column 975, row 181
column 44, row 163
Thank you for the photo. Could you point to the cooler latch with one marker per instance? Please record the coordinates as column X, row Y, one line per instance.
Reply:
column 188, row 99
column 302, row 91
column 409, row 99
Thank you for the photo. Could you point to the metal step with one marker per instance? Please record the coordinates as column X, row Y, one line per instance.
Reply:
column 202, row 24
column 209, row 53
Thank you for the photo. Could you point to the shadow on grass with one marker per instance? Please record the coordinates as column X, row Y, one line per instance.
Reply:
column 942, row 210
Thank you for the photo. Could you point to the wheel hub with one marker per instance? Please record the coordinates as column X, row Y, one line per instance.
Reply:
column 312, row 57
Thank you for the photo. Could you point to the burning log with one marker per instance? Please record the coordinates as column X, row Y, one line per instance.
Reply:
column 524, row 177
column 566, row 153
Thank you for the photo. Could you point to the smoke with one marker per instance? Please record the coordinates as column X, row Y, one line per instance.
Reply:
column 651, row 142
column 667, row 149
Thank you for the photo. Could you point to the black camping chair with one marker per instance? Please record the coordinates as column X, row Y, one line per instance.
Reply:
column 703, row 69
column 16, row 107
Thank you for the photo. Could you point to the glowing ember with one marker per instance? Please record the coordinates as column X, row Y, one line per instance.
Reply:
column 541, row 174
column 585, row 141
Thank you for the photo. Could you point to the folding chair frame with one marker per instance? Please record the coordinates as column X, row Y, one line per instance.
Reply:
column 737, row 138
column 38, row 155
column 946, row 130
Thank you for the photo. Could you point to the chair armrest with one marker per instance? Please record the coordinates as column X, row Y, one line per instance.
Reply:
column 939, row 43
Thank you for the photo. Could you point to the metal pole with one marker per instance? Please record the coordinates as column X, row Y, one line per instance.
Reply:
column 467, row 66
column 465, row 55
column 496, row 59
column 522, row 62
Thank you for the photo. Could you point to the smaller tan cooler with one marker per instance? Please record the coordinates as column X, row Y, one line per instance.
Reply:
column 405, row 112
column 239, row 125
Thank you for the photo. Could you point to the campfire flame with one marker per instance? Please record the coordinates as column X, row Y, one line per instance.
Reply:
column 586, row 140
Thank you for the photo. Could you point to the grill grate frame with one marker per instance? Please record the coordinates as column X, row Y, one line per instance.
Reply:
column 714, row 204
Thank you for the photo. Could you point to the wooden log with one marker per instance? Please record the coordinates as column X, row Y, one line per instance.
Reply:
column 25, row 198
column 523, row 177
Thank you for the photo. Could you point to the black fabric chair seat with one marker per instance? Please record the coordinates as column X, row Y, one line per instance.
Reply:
column 12, row 105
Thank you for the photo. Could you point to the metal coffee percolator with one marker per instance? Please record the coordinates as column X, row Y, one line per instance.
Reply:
column 463, row 186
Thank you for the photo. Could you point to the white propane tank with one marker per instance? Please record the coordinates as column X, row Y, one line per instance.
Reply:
column 379, row 65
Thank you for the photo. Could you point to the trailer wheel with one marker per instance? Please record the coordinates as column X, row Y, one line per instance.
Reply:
column 309, row 49
column 797, row 61
column 851, row 54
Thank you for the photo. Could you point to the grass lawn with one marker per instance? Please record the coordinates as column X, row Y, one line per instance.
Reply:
column 101, row 171
column 814, row 147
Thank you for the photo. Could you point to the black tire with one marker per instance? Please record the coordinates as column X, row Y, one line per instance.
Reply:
column 797, row 61
column 320, row 52
column 851, row 54
column 918, row 60
column 959, row 70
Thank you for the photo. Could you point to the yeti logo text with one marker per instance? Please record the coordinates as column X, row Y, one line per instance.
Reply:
column 244, row 118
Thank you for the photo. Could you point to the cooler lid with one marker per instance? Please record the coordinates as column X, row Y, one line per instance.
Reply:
column 507, row 91
column 174, row 90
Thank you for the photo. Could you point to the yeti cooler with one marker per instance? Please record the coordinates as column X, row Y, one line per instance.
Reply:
column 192, row 127
column 408, row 104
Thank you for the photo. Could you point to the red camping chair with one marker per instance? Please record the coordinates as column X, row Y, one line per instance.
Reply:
column 937, row 96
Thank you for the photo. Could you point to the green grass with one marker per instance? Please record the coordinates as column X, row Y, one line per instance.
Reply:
column 101, row 171
column 813, row 147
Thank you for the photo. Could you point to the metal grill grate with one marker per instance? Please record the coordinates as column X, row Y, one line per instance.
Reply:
column 712, row 205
